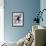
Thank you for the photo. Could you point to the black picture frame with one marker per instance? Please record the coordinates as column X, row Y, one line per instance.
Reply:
column 17, row 19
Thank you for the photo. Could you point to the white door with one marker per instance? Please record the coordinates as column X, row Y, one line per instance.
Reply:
column 1, row 20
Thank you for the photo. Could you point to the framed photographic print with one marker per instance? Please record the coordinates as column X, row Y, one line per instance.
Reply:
column 17, row 19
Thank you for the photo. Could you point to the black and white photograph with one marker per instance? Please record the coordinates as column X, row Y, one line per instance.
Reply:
column 17, row 18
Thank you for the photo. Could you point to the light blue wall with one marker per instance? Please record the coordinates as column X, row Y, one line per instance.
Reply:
column 29, row 7
column 43, row 6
